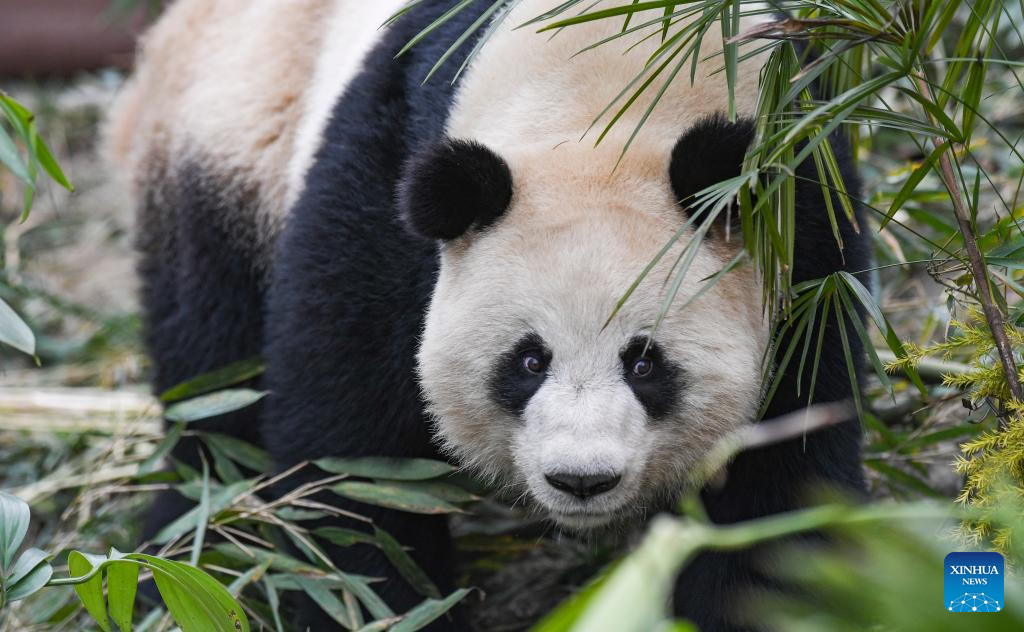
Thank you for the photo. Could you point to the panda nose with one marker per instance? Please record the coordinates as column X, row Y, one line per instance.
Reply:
column 583, row 486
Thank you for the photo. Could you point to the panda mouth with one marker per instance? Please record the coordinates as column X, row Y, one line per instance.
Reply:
column 581, row 520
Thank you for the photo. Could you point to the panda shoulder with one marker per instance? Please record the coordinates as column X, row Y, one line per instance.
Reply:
column 220, row 84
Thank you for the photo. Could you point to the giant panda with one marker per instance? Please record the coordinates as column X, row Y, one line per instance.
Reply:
column 427, row 268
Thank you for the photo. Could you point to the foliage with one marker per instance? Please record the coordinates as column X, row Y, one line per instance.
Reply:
column 195, row 600
column 13, row 330
column 996, row 457
column 245, row 540
column 887, row 570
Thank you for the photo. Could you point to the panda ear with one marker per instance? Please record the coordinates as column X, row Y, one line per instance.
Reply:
column 452, row 186
column 708, row 153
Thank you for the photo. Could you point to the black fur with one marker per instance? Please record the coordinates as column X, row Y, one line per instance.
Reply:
column 454, row 185
column 349, row 289
column 202, row 297
column 708, row 153
column 512, row 385
column 659, row 391
column 777, row 478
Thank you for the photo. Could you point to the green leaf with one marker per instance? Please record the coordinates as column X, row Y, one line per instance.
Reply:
column 395, row 469
column 27, row 562
column 50, row 165
column 438, row 489
column 324, row 598
column 249, row 577
column 344, row 537
column 30, row 573
column 213, row 404
column 470, row 30
column 202, row 515
column 882, row 323
column 226, row 470
column 198, row 602
column 122, row 586
column 241, row 452
column 90, row 592
column 903, row 478
column 273, row 602
column 405, row 565
column 14, row 518
column 562, row 617
column 910, row 186
column 234, row 373
column 14, row 331
column 393, row 497
column 162, row 449
column 945, row 434
column 357, row 586
column 219, row 501
column 430, row 28
column 429, row 611
column 380, row 625
column 31, row 583
column 11, row 159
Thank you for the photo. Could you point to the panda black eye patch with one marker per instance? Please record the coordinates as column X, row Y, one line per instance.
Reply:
column 654, row 379
column 519, row 374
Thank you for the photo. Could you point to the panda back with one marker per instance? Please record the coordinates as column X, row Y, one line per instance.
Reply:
column 240, row 90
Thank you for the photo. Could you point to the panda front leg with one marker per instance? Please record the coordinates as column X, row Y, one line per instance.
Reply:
column 344, row 316
column 202, row 299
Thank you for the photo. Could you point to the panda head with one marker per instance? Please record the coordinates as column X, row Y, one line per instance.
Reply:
column 525, row 382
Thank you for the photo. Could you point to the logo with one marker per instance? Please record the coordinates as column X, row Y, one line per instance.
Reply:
column 974, row 582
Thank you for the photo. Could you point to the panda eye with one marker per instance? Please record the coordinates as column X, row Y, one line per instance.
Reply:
column 533, row 362
column 643, row 367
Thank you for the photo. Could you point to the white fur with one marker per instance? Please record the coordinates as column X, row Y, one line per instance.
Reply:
column 351, row 34
column 244, row 88
column 578, row 232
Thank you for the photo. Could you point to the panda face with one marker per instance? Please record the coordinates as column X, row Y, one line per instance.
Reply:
column 526, row 384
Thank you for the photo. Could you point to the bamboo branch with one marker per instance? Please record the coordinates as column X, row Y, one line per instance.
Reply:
column 994, row 316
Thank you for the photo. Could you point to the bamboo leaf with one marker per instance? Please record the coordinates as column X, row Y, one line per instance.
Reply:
column 202, row 515
column 14, row 331
column 213, row 404
column 10, row 158
column 391, row 468
column 230, row 375
column 910, row 186
column 325, row 599
column 393, row 497
column 405, row 565
column 429, row 611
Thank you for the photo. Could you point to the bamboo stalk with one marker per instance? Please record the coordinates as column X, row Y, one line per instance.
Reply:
column 994, row 316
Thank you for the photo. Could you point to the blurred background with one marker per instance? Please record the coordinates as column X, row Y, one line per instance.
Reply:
column 68, row 268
